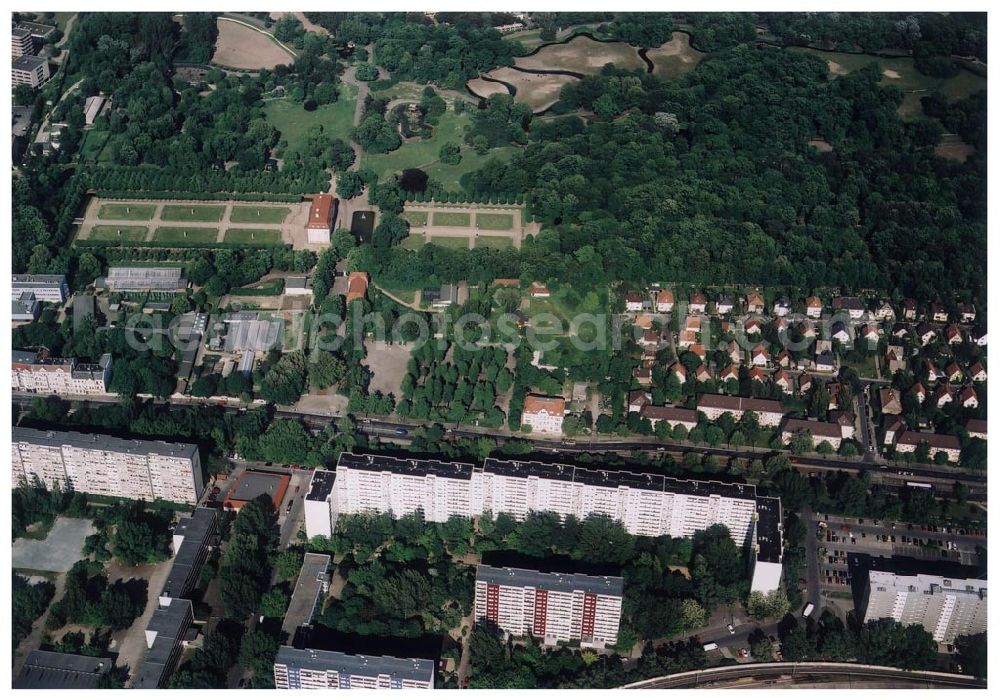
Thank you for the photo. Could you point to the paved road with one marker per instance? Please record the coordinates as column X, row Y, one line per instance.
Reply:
column 808, row 673
column 812, row 563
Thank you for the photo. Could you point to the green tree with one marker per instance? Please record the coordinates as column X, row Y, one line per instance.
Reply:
column 274, row 603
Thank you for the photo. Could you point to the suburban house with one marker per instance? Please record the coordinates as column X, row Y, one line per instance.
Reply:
column 755, row 303
column 978, row 336
column 732, row 349
column 892, row 426
column 680, row 371
column 845, row 419
column 780, row 325
column 782, row 307
column 943, row 395
column 634, row 301
column 967, row 312
column 544, row 413
column 900, row 331
column 890, row 401
column 644, row 321
column 752, row 326
column 784, row 359
column 805, row 383
column 637, row 400
column 910, row 309
column 672, row 415
column 919, row 391
column 701, row 373
column 852, row 305
column 643, row 375
column 814, row 307
column 977, row 372
column 968, row 398
column 649, row 338
column 926, row 333
column 783, row 380
column 759, row 356
column 909, row 440
column 821, row 431
column 699, row 350
column 885, row 312
column 728, row 373
column 953, row 372
column 357, row 286
column 807, row 329
column 724, row 304
column 838, row 331
column 440, row 297
column 756, row 374
column 932, row 372
column 686, row 338
column 869, row 332
column 697, row 303
column 895, row 360
column 976, row 428
column 953, row 334
column 664, row 301
column 938, row 312
column 538, row 291
column 824, row 362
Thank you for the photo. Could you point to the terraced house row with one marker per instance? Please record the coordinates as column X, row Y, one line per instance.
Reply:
column 645, row 504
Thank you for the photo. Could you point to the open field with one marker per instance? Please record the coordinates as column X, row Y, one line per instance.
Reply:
column 582, row 54
column 294, row 122
column 58, row 551
column 537, row 91
column 183, row 234
column 415, row 241
column 127, row 212
column 953, row 147
column 902, row 73
column 252, row 235
column 675, row 58
column 494, row 222
column 529, row 38
column 239, row 46
column 416, row 218
column 485, row 88
column 459, row 242
column 189, row 212
column 129, row 234
column 451, row 218
column 258, row 215
column 494, row 242
column 450, row 176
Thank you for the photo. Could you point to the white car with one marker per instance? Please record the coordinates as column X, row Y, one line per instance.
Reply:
column 732, row 630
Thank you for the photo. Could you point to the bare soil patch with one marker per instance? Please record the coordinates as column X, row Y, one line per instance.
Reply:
column 582, row 55
column 239, row 46
column 674, row 58
column 535, row 90
column 953, row 148
column 836, row 68
column 894, row 75
column 388, row 365
column 821, row 145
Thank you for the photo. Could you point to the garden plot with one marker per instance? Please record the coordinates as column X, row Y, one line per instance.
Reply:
column 258, row 215
column 127, row 234
column 126, row 211
column 196, row 212
column 184, row 234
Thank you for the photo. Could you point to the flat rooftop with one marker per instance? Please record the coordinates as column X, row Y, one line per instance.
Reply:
column 170, row 624
column 356, row 664
column 50, row 670
column 252, row 484
column 416, row 467
column 313, row 579
column 321, row 485
column 560, row 582
column 196, row 529
column 28, row 62
column 104, row 443
column 769, row 529
column 26, row 281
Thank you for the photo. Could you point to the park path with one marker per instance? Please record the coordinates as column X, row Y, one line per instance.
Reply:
column 34, row 640
column 516, row 233
column 225, row 223
column 301, row 16
column 416, row 299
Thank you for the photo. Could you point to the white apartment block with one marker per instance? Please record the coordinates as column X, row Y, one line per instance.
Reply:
column 645, row 504
column 544, row 413
column 909, row 440
column 714, row 405
column 107, row 466
column 314, row 669
column 36, row 373
column 21, row 42
column 945, row 607
column 549, row 606
column 50, row 288
column 29, row 70
column 320, row 504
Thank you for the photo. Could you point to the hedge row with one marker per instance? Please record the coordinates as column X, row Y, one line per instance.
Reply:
column 201, row 196
column 178, row 245
column 272, row 290
column 463, row 198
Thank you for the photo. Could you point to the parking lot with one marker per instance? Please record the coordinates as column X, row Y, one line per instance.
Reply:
column 60, row 549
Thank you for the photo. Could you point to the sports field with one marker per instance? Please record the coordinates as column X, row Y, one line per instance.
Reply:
column 127, row 211
column 252, row 235
column 451, row 218
column 495, row 222
column 192, row 212
column 184, row 234
column 129, row 234
column 258, row 215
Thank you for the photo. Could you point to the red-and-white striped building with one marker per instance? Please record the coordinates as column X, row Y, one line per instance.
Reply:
column 551, row 607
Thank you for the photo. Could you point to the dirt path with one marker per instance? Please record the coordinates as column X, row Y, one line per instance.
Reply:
column 225, row 222
column 415, row 305
column 131, row 643
column 516, row 233
column 33, row 640
column 310, row 27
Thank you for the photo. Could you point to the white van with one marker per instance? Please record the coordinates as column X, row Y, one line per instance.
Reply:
column 808, row 610
column 711, row 646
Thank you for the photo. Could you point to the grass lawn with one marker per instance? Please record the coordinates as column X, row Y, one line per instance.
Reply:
column 414, row 241
column 130, row 234
column 450, row 242
column 407, row 295
column 865, row 367
column 180, row 234
column 416, row 218
column 127, row 212
column 494, row 242
column 259, row 215
column 451, row 218
column 252, row 235
column 293, row 122
column 195, row 212
column 495, row 222
column 93, row 142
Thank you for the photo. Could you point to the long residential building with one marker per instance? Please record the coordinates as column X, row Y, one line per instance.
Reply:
column 36, row 373
column 714, row 405
column 819, row 431
column 107, row 465
column 315, row 669
column 192, row 539
column 552, row 607
column 646, row 504
column 910, row 440
column 945, row 607
column 165, row 635
column 50, row 288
